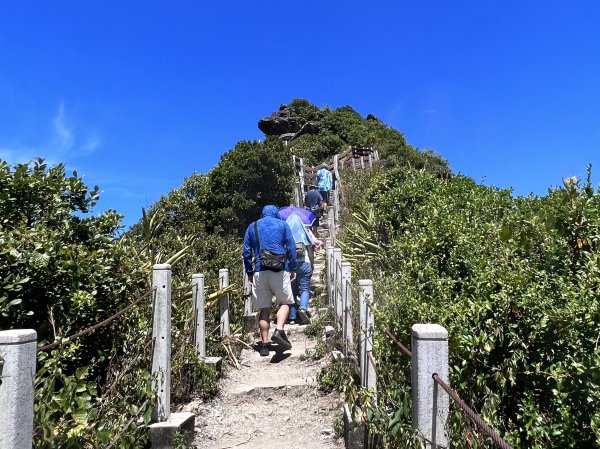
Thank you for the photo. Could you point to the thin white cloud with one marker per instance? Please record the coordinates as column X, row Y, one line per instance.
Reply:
column 430, row 111
column 63, row 134
column 63, row 144
column 91, row 144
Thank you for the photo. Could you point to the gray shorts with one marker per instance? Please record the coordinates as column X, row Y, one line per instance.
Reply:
column 268, row 284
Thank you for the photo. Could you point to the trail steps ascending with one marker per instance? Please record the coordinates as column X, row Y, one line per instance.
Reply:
column 272, row 402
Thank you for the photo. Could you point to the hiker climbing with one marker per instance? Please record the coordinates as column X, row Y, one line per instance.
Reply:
column 270, row 240
column 305, row 261
column 325, row 182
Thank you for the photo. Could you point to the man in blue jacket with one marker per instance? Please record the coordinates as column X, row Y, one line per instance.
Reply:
column 274, row 235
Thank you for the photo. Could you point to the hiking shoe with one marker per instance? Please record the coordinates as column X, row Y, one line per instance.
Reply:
column 281, row 339
column 263, row 349
column 304, row 317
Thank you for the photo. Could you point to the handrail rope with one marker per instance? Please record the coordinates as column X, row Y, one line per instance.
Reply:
column 127, row 368
column 452, row 393
column 134, row 417
column 370, row 356
column 403, row 348
column 185, row 288
column 99, row 325
column 471, row 413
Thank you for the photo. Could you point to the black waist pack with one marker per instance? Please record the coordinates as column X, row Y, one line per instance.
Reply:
column 269, row 260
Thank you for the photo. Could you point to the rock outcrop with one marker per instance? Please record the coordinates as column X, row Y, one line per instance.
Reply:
column 284, row 121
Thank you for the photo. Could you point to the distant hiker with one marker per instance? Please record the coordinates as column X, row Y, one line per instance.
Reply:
column 270, row 240
column 325, row 182
column 313, row 201
column 305, row 262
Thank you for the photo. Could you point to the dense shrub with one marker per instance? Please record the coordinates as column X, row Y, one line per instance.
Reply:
column 515, row 282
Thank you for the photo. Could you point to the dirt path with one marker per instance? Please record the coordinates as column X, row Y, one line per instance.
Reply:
column 274, row 401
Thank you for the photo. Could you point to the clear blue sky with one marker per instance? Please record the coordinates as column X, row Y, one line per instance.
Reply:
column 136, row 96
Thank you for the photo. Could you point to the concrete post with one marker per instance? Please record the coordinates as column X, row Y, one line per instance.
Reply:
column 346, row 307
column 429, row 345
column 370, row 160
column 161, row 332
column 367, row 323
column 199, row 314
column 250, row 316
column 329, row 271
column 362, row 162
column 18, row 352
column 337, row 284
column 302, row 187
column 224, row 302
column 336, row 204
column 331, row 226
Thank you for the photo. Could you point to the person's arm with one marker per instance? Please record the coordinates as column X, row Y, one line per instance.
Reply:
column 290, row 249
column 311, row 256
column 247, row 253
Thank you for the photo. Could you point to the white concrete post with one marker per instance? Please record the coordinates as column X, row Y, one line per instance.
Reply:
column 337, row 284
column 199, row 314
column 331, row 226
column 17, row 374
column 362, row 162
column 248, row 309
column 370, row 160
column 302, row 187
column 337, row 204
column 329, row 271
column 367, row 323
column 224, row 302
column 429, row 345
column 161, row 332
column 346, row 306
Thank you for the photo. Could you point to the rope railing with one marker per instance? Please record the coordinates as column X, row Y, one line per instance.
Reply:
column 454, row 395
column 128, row 367
column 171, row 323
column 471, row 413
column 403, row 348
column 97, row 326
column 141, row 409
column 185, row 288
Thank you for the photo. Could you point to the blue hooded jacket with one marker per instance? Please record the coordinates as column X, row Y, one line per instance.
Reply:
column 274, row 234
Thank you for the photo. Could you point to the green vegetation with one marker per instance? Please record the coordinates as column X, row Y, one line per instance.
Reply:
column 62, row 270
column 344, row 126
column 515, row 282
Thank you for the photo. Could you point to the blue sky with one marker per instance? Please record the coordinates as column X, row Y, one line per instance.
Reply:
column 136, row 96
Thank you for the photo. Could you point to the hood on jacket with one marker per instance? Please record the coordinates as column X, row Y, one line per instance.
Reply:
column 270, row 211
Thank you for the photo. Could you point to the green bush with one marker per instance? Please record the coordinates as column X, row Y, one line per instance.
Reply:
column 514, row 280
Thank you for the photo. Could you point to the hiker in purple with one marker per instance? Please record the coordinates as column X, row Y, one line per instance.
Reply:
column 271, row 242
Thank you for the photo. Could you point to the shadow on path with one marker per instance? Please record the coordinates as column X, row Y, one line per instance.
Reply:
column 279, row 355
